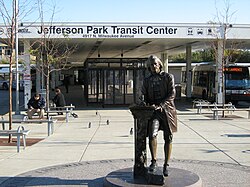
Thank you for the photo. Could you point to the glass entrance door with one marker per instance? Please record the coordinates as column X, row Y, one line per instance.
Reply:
column 114, row 83
column 95, row 86
column 114, row 86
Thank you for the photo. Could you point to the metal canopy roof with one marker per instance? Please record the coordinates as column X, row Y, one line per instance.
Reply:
column 139, row 48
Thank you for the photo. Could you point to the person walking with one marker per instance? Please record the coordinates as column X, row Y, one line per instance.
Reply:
column 66, row 82
column 36, row 104
column 158, row 90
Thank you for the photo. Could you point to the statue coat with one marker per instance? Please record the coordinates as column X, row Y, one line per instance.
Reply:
column 167, row 93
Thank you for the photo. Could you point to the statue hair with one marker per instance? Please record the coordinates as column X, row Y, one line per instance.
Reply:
column 151, row 59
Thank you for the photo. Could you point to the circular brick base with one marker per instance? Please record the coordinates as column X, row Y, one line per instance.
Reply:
column 177, row 177
column 96, row 173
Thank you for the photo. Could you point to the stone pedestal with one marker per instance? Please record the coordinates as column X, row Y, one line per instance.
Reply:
column 155, row 177
column 141, row 116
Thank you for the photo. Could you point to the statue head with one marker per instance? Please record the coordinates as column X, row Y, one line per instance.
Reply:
column 154, row 64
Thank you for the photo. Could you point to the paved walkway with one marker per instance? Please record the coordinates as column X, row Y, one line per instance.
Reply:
column 76, row 155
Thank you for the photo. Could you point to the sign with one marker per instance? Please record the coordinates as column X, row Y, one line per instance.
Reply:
column 115, row 31
column 27, row 80
column 128, row 30
column 233, row 69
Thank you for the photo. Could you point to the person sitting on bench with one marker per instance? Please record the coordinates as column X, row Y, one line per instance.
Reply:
column 36, row 104
column 59, row 100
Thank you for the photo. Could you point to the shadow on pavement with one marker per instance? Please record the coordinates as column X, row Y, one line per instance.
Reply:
column 46, row 181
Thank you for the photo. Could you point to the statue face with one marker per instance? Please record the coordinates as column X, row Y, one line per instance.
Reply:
column 155, row 67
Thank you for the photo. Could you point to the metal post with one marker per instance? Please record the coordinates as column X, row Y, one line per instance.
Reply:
column 219, row 72
column 17, row 112
column 188, row 71
column 67, row 115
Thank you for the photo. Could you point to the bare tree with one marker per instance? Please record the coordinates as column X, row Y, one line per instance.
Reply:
column 221, row 26
column 10, row 20
column 52, row 53
column 52, row 56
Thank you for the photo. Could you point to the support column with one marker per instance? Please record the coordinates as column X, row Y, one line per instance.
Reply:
column 27, row 74
column 188, row 71
column 219, row 73
column 57, row 79
column 53, row 80
column 164, row 59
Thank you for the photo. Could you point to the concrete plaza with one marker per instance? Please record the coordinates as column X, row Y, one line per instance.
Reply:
column 83, row 151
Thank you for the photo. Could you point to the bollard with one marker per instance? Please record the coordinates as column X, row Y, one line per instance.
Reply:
column 131, row 131
column 3, row 125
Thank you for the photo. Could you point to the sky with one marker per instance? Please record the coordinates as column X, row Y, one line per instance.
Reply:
column 148, row 11
column 167, row 11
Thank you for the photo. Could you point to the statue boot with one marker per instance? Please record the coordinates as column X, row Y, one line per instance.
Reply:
column 153, row 149
column 167, row 151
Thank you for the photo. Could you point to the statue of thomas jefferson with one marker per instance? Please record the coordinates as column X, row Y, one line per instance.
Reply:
column 159, row 91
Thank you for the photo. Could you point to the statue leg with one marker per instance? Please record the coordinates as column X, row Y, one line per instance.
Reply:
column 167, row 151
column 153, row 143
column 153, row 150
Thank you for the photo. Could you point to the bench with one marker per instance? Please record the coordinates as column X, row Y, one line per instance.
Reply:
column 69, row 107
column 49, row 121
column 20, row 132
column 214, row 105
column 68, row 110
column 216, row 111
column 200, row 101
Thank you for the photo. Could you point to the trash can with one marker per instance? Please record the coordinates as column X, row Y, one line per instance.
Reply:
column 178, row 91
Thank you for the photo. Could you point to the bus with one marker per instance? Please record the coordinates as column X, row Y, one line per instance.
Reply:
column 236, row 80
column 4, row 77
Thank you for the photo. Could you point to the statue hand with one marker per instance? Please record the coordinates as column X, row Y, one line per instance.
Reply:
column 158, row 108
column 142, row 104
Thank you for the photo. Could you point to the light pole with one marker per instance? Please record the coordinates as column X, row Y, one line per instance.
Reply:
column 220, row 64
column 17, row 112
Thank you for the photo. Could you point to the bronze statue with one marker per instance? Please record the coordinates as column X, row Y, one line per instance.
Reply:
column 158, row 90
